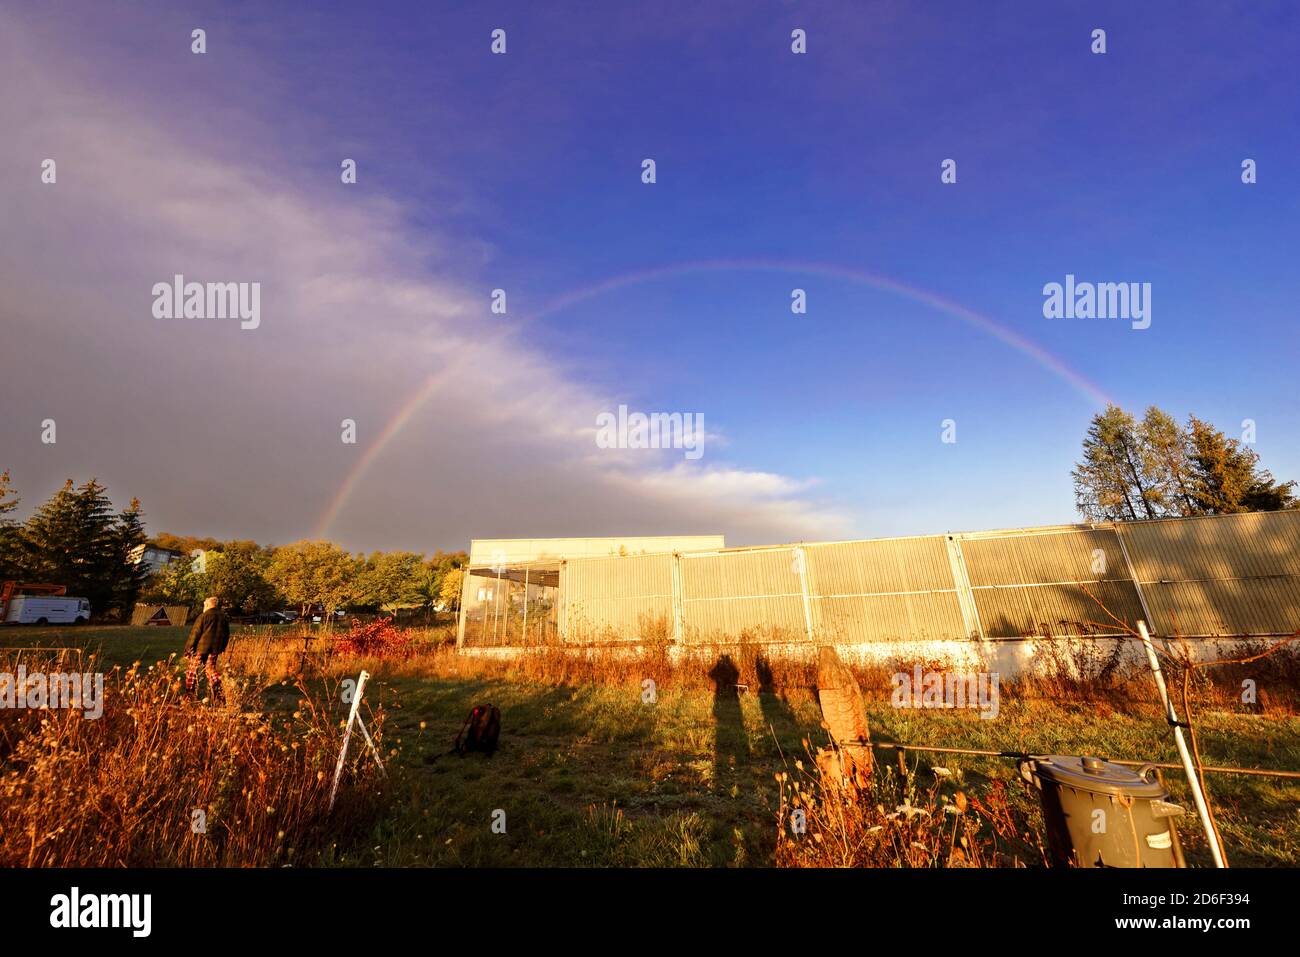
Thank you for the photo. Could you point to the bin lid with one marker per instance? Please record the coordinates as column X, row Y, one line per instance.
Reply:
column 1096, row 775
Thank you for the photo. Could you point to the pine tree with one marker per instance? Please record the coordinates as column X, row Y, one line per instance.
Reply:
column 1228, row 478
column 11, row 556
column 74, row 539
column 50, row 538
column 1157, row 468
column 1166, row 449
column 128, row 576
column 1115, row 480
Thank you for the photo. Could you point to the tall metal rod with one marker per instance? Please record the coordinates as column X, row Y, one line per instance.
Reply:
column 526, row 569
column 1193, row 779
column 496, row 609
column 987, row 753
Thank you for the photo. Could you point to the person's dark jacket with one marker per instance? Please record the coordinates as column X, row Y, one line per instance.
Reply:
column 210, row 634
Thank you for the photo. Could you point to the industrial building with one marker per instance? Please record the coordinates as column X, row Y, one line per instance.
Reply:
column 1209, row 576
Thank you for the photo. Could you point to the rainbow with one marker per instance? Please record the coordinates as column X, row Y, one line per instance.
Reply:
column 426, row 390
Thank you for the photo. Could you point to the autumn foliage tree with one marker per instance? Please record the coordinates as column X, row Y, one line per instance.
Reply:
column 238, row 573
column 317, row 573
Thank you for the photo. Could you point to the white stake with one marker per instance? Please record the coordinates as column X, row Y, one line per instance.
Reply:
column 354, row 717
column 1193, row 779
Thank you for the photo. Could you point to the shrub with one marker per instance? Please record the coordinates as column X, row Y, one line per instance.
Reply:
column 378, row 639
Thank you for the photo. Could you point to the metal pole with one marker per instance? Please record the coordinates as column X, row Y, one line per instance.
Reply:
column 986, row 753
column 1193, row 780
column 679, row 615
column 496, row 608
column 525, row 641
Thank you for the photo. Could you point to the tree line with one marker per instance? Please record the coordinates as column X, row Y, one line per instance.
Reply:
column 1157, row 467
column 76, row 539
column 250, row 578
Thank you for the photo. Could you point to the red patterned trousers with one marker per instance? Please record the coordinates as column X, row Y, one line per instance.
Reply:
column 192, row 671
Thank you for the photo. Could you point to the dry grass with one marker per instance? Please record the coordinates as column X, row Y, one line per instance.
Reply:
column 591, row 775
column 825, row 821
column 1084, row 673
column 130, row 788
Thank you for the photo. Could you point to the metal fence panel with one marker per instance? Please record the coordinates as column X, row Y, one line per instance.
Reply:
column 1038, row 583
column 885, row 618
column 1220, row 575
column 890, row 590
column 618, row 598
column 1056, row 610
column 754, row 594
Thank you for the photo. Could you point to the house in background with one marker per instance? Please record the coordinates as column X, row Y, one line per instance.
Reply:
column 154, row 558
column 162, row 616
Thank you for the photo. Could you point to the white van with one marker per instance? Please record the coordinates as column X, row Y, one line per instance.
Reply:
column 41, row 610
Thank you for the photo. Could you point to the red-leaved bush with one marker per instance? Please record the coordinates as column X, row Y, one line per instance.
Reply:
column 379, row 639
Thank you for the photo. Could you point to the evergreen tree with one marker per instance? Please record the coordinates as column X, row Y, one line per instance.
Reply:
column 1166, row 450
column 1228, row 478
column 11, row 554
column 74, row 539
column 51, row 539
column 1157, row 468
column 1116, row 480
column 126, row 576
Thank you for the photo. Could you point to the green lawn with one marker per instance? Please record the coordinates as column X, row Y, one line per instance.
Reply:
column 590, row 775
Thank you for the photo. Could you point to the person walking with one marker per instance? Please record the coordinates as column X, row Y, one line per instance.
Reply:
column 208, row 639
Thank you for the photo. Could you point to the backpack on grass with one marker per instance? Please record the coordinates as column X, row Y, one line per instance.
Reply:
column 481, row 731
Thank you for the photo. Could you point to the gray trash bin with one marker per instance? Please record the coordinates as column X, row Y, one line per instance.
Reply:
column 1100, row 814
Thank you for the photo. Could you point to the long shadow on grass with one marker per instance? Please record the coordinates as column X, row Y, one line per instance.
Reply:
column 730, row 743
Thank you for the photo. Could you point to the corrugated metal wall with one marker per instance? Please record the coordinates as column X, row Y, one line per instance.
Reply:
column 1212, row 576
column 884, row 590
column 747, row 592
column 1222, row 575
column 1039, row 583
column 616, row 597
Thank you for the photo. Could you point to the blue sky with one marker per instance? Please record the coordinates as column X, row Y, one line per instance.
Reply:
column 522, row 171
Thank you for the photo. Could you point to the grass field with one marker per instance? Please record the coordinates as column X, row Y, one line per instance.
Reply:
column 590, row 774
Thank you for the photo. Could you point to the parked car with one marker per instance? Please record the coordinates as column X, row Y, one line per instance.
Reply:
column 318, row 614
column 270, row 618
